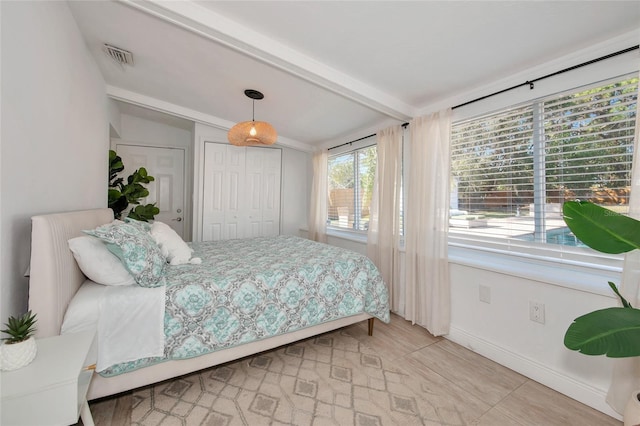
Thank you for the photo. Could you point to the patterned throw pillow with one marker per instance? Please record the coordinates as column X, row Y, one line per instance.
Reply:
column 136, row 249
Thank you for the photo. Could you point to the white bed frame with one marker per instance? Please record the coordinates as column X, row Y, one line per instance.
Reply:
column 55, row 278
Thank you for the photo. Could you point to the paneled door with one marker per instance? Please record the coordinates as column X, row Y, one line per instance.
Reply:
column 167, row 166
column 222, row 201
column 263, row 192
column 241, row 196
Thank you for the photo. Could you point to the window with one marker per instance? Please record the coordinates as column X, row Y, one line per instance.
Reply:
column 513, row 169
column 351, row 177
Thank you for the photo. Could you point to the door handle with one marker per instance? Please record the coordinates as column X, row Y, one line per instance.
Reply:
column 178, row 219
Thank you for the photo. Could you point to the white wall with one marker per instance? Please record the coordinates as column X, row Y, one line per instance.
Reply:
column 148, row 132
column 295, row 190
column 55, row 131
column 502, row 331
column 114, row 119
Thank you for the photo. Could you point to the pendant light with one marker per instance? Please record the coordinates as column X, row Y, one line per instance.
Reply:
column 252, row 132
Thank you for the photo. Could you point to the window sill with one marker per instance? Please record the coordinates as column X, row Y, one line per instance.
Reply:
column 358, row 237
column 590, row 279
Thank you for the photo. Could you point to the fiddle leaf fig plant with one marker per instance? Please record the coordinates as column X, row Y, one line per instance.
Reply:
column 121, row 194
column 614, row 332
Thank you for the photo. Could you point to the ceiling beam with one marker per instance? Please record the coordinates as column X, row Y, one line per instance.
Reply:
column 216, row 27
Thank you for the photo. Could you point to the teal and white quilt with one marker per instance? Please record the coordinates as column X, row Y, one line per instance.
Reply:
column 251, row 289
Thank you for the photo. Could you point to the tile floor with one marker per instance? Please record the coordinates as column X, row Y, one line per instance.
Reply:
column 493, row 395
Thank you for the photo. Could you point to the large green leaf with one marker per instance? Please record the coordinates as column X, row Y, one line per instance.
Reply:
column 614, row 332
column 144, row 213
column 600, row 228
column 115, row 167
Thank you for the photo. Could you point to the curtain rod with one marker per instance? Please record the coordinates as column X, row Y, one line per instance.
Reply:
column 359, row 139
column 529, row 83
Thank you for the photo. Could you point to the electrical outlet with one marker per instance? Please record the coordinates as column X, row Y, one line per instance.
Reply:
column 536, row 312
column 485, row 294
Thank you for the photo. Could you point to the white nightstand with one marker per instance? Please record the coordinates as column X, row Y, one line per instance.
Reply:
column 52, row 390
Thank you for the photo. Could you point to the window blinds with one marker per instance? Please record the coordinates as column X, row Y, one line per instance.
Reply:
column 513, row 169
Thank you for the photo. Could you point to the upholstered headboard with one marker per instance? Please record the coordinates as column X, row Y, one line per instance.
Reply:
column 55, row 276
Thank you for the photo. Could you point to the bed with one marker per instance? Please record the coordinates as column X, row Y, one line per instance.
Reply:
column 56, row 278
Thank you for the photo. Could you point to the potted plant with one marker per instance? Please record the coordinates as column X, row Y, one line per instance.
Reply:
column 20, row 348
column 614, row 332
column 121, row 194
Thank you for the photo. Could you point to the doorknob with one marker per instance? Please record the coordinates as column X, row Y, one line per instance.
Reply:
column 178, row 219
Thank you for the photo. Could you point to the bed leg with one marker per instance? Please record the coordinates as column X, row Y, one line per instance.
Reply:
column 370, row 320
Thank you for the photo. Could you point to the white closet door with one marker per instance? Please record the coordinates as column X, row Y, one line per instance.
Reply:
column 213, row 200
column 232, row 190
column 262, row 195
column 241, row 192
column 271, row 173
column 222, row 200
column 253, row 192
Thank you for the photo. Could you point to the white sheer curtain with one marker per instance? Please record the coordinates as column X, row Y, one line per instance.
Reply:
column 319, row 196
column 428, row 293
column 383, row 237
column 626, row 371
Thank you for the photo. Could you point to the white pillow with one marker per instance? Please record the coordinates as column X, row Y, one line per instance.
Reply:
column 171, row 245
column 98, row 263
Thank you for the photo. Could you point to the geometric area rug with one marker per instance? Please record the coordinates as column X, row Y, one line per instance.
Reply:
column 332, row 379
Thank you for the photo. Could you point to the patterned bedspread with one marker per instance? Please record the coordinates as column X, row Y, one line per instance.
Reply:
column 251, row 289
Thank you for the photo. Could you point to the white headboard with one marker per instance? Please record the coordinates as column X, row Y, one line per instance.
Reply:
column 55, row 276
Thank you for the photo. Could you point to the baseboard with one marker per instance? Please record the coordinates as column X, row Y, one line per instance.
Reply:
column 582, row 392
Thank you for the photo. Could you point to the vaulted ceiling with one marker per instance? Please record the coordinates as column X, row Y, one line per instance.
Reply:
column 330, row 69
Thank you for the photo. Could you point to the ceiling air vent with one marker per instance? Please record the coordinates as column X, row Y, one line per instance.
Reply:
column 121, row 56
